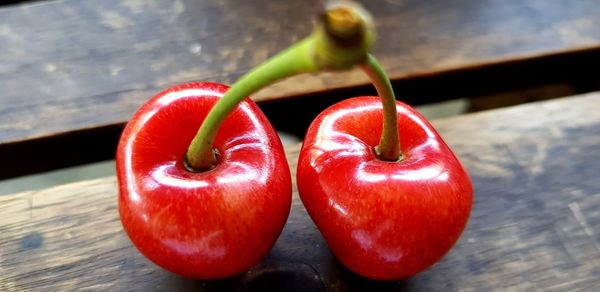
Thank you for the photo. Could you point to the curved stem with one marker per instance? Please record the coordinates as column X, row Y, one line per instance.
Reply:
column 389, row 145
column 294, row 60
column 341, row 41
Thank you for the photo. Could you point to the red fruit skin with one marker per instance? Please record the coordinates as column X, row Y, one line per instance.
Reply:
column 204, row 225
column 382, row 220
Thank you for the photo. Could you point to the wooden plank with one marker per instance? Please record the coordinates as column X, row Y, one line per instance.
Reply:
column 69, row 65
column 535, row 223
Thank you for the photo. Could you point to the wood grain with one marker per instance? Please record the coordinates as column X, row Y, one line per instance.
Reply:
column 69, row 65
column 535, row 223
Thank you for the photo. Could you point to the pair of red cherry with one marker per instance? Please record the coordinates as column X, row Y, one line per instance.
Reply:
column 215, row 208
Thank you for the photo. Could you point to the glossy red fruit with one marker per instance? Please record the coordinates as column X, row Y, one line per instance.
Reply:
column 210, row 224
column 382, row 220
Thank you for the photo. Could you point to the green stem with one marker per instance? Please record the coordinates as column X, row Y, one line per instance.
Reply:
column 340, row 42
column 294, row 60
column 389, row 145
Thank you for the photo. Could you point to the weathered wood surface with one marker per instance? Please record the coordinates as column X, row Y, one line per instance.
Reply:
column 535, row 223
column 69, row 65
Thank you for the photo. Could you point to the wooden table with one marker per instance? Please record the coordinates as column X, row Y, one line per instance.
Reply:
column 535, row 223
column 72, row 72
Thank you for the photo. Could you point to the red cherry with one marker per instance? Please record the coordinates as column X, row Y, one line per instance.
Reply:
column 210, row 224
column 383, row 220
